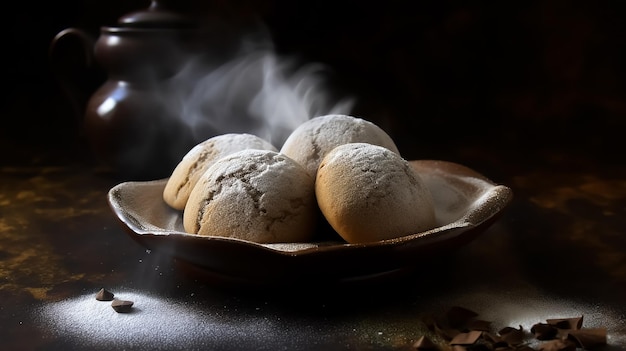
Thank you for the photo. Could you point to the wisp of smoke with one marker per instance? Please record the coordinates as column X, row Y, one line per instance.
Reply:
column 256, row 92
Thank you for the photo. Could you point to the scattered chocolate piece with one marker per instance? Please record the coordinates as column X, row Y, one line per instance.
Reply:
column 122, row 306
column 466, row 333
column 507, row 330
column 104, row 295
column 543, row 331
column 424, row 343
column 557, row 345
column 588, row 338
column 446, row 333
column 511, row 335
column 494, row 339
column 468, row 338
column 459, row 317
column 566, row 323
column 561, row 334
column 479, row 324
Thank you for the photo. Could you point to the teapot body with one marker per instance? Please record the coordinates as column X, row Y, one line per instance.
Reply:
column 127, row 121
column 132, row 130
column 129, row 118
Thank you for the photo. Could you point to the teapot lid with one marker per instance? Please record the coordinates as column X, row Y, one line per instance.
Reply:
column 156, row 16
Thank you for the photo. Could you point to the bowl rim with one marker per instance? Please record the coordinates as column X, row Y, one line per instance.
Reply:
column 496, row 196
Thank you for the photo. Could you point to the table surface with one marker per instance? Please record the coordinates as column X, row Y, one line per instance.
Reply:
column 556, row 252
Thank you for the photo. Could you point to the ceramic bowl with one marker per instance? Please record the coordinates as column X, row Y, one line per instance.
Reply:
column 466, row 203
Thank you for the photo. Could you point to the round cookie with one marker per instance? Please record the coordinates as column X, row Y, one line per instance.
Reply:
column 255, row 195
column 200, row 157
column 311, row 140
column 368, row 193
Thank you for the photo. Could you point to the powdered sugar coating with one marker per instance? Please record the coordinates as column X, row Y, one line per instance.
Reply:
column 369, row 193
column 313, row 139
column 200, row 158
column 255, row 195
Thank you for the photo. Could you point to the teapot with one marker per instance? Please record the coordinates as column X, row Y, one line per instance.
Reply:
column 128, row 124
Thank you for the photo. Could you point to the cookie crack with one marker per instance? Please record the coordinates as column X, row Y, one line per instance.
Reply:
column 204, row 155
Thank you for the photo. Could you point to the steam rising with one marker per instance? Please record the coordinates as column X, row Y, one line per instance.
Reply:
column 244, row 87
column 255, row 92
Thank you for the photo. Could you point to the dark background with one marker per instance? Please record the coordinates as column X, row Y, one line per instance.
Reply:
column 437, row 75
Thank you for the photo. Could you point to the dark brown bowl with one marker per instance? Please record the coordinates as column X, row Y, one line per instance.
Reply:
column 466, row 203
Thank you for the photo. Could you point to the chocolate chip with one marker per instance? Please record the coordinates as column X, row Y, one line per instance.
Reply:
column 122, row 306
column 493, row 339
column 544, row 331
column 464, row 333
column 588, row 338
column 424, row 343
column 446, row 333
column 104, row 295
column 468, row 338
column 459, row 317
column 511, row 335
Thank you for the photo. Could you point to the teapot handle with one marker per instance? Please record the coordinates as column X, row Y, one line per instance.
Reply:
column 74, row 70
